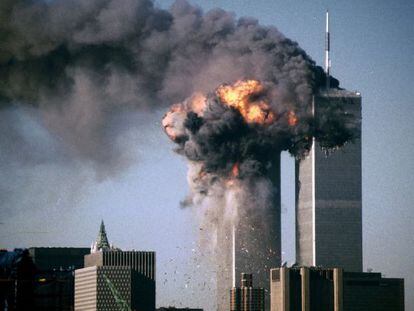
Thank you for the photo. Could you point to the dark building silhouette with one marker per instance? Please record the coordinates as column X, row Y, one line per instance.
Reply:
column 113, row 279
column 246, row 297
column 315, row 289
column 177, row 309
column 49, row 258
column 17, row 278
column 54, row 286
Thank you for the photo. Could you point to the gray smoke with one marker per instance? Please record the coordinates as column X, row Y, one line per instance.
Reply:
column 72, row 71
column 228, row 151
column 232, row 139
column 83, row 62
column 82, row 65
column 76, row 68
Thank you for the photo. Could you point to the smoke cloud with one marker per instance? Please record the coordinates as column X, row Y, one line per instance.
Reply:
column 232, row 134
column 233, row 137
column 77, row 67
column 81, row 63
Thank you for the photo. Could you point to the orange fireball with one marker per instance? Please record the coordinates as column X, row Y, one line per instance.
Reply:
column 243, row 96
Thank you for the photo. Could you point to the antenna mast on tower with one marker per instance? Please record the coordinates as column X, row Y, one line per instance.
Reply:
column 327, row 49
column 234, row 257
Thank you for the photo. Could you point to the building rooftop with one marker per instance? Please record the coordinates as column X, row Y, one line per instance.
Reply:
column 335, row 92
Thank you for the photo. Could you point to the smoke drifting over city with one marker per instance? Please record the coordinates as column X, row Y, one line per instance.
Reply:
column 244, row 91
column 81, row 63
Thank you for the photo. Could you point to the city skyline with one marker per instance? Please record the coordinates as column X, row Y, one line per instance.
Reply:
column 134, row 203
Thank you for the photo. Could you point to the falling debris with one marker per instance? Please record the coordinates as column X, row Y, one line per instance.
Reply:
column 233, row 140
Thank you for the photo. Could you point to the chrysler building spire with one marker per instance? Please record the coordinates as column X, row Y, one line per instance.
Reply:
column 101, row 243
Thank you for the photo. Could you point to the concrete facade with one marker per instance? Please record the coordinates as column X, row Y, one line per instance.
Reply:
column 131, row 275
column 329, row 195
column 315, row 289
column 142, row 262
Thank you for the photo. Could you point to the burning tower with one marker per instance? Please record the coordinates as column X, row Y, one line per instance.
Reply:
column 232, row 137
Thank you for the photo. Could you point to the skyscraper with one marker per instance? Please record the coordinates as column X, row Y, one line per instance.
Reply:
column 329, row 187
column 113, row 278
column 246, row 297
column 329, row 194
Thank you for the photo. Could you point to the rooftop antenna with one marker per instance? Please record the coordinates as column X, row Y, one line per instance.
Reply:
column 234, row 257
column 327, row 49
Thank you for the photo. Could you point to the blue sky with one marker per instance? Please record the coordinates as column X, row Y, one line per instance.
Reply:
column 372, row 48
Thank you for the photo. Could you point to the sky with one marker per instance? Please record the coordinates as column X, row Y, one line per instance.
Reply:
column 372, row 48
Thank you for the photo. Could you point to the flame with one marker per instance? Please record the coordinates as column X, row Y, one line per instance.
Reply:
column 202, row 173
column 169, row 122
column 198, row 103
column 292, row 118
column 241, row 97
column 177, row 108
column 235, row 169
column 173, row 120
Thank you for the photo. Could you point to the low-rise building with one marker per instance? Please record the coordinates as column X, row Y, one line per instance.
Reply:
column 314, row 289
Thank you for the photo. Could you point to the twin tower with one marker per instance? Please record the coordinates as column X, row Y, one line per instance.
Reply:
column 328, row 190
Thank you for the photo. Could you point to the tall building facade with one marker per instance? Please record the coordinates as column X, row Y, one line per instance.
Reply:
column 315, row 289
column 113, row 279
column 257, row 239
column 112, row 288
column 140, row 261
column 246, row 297
column 329, row 194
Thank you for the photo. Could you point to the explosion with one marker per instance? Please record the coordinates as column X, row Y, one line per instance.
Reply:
column 238, row 129
column 232, row 138
column 235, row 170
column 244, row 96
column 292, row 118
column 86, row 70
column 173, row 120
